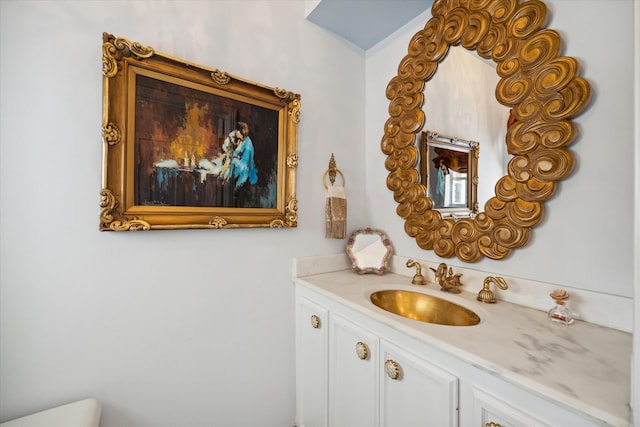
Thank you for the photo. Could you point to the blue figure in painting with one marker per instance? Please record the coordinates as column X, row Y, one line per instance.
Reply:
column 244, row 168
column 443, row 170
column 236, row 160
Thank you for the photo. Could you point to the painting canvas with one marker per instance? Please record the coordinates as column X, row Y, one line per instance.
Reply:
column 194, row 148
column 190, row 147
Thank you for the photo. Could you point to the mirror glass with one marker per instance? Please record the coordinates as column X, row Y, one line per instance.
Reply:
column 369, row 250
column 449, row 170
column 460, row 102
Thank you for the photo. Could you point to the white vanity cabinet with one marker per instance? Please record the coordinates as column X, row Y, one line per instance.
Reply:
column 359, row 366
column 368, row 380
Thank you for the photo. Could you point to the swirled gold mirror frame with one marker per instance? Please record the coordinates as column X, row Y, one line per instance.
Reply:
column 542, row 88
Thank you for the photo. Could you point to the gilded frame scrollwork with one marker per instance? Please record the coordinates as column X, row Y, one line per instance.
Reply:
column 210, row 110
column 542, row 88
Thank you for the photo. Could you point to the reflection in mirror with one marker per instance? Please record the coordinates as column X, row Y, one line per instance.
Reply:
column 460, row 100
column 369, row 250
column 449, row 171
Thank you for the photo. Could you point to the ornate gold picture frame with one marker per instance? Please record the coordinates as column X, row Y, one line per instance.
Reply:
column 185, row 146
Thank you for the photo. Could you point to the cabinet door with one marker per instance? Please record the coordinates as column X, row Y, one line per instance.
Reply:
column 415, row 392
column 353, row 370
column 312, row 328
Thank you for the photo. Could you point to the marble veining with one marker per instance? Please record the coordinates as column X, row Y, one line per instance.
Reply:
column 582, row 367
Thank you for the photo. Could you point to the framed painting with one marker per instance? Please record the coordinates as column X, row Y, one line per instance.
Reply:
column 185, row 146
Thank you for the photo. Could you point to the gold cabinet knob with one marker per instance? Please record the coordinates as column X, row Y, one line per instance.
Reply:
column 361, row 350
column 392, row 369
column 315, row 321
column 492, row 424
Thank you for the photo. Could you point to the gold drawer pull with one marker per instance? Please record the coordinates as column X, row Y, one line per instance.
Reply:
column 392, row 369
column 315, row 321
column 361, row 350
column 492, row 424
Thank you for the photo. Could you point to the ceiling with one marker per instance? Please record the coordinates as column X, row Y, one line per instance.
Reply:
column 366, row 22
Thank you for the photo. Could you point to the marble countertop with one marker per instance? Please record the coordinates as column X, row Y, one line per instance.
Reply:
column 582, row 366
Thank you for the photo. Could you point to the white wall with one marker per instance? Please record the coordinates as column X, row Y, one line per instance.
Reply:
column 586, row 238
column 195, row 328
column 165, row 328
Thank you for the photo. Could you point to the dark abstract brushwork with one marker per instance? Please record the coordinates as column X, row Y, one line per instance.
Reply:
column 195, row 148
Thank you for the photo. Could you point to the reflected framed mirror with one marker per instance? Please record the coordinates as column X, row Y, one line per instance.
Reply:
column 449, row 169
column 369, row 251
column 540, row 86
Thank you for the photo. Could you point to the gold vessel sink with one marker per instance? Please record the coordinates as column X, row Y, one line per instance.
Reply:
column 425, row 308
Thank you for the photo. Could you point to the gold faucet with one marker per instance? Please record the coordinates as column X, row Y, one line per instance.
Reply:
column 418, row 278
column 485, row 295
column 448, row 282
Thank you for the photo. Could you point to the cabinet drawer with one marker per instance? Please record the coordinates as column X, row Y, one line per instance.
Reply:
column 490, row 409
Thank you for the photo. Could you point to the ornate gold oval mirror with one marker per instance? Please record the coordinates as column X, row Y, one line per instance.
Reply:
column 542, row 88
column 369, row 251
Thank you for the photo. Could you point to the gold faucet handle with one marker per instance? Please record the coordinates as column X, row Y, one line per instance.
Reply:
column 411, row 263
column 418, row 278
column 499, row 282
column 486, row 295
